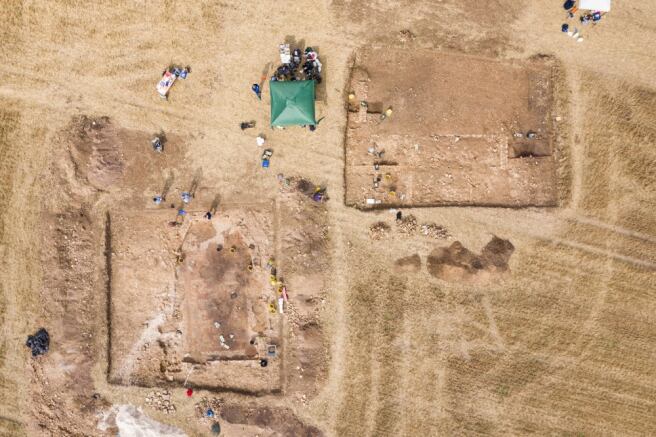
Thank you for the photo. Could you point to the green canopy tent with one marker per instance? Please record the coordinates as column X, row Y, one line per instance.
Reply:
column 292, row 103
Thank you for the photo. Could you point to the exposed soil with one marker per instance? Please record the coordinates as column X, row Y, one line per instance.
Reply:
column 456, row 262
column 217, row 263
column 410, row 142
column 497, row 253
column 223, row 291
column 280, row 420
column 96, row 152
column 105, row 163
column 74, row 273
column 304, row 266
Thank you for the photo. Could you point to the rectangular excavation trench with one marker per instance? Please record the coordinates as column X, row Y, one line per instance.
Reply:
column 179, row 310
column 463, row 130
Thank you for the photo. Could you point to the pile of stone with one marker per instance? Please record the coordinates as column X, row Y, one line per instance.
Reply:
column 433, row 230
column 379, row 230
column 407, row 225
column 406, row 35
column 208, row 405
column 160, row 401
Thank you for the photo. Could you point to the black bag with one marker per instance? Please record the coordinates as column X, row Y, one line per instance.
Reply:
column 38, row 342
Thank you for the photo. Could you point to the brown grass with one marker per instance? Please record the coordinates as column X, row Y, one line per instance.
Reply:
column 622, row 159
column 9, row 382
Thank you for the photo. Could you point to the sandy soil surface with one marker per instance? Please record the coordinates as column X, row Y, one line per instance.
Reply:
column 552, row 337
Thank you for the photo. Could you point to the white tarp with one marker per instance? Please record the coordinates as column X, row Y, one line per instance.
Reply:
column 595, row 5
column 165, row 83
column 285, row 53
column 132, row 422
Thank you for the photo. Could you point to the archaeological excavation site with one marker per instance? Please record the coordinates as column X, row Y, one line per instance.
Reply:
column 479, row 133
column 339, row 218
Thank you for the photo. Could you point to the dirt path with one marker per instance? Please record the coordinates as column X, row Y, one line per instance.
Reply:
column 610, row 226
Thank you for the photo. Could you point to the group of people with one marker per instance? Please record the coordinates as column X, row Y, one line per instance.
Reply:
column 185, row 196
column 301, row 66
column 591, row 18
column 585, row 18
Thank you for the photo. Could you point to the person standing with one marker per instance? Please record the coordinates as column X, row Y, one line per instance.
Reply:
column 257, row 90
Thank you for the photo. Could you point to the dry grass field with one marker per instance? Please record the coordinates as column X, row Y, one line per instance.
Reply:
column 561, row 342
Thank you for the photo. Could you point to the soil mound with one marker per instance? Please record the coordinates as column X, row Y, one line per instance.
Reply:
column 407, row 225
column 379, row 230
column 303, row 186
column 96, row 152
column 497, row 253
column 433, row 230
column 456, row 262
